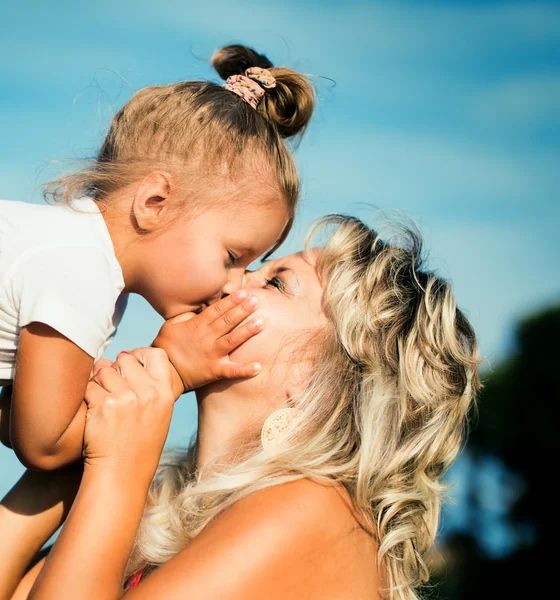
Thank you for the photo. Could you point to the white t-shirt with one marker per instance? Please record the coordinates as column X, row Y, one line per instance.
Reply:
column 58, row 267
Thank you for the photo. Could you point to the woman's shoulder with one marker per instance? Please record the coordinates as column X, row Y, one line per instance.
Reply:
column 295, row 539
column 312, row 508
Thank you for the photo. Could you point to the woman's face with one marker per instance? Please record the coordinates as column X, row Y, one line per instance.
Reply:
column 289, row 294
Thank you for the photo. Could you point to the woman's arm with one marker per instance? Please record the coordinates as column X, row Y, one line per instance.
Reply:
column 129, row 412
column 75, row 567
column 29, row 514
column 47, row 412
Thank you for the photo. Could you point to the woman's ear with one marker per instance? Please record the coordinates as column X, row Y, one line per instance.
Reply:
column 152, row 200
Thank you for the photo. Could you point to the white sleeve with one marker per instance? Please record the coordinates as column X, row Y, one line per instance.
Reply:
column 73, row 289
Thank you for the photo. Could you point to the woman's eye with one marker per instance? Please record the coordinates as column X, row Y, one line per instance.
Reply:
column 276, row 282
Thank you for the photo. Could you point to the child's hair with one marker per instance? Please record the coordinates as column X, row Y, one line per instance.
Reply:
column 199, row 130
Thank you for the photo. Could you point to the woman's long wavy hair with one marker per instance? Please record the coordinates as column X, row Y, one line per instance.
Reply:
column 384, row 411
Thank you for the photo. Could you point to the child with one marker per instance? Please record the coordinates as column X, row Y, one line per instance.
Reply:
column 192, row 183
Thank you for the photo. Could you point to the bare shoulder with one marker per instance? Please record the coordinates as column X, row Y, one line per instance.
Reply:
column 292, row 540
column 301, row 509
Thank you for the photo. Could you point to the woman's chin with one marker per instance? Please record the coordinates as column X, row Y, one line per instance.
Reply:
column 222, row 387
column 247, row 352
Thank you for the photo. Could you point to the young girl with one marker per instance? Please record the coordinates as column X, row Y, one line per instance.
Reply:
column 193, row 182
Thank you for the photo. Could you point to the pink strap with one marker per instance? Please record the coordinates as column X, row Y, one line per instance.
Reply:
column 135, row 579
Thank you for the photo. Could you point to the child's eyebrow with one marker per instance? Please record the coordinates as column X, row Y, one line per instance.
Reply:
column 247, row 250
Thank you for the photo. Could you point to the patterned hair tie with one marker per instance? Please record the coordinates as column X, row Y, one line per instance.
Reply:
column 248, row 86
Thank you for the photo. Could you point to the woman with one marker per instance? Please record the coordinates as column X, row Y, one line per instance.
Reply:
column 318, row 478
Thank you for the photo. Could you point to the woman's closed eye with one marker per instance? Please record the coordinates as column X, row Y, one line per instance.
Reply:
column 277, row 283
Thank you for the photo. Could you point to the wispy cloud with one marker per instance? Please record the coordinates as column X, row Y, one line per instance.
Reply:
column 448, row 110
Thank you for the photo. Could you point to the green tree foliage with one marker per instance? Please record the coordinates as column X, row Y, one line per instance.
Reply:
column 518, row 422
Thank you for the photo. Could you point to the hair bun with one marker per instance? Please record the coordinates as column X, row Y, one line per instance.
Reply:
column 288, row 106
column 236, row 59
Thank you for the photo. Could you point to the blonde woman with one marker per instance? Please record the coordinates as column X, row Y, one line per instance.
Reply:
column 318, row 478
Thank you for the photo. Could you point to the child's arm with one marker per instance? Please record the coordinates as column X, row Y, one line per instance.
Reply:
column 47, row 416
column 5, row 401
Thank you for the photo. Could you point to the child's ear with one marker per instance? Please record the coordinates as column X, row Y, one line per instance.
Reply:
column 152, row 200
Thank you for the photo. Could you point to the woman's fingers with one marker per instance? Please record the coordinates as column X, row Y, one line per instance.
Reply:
column 110, row 380
column 135, row 376
column 127, row 420
column 154, row 361
column 235, row 338
column 102, row 363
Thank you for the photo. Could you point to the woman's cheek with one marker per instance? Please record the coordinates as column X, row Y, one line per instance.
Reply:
column 261, row 346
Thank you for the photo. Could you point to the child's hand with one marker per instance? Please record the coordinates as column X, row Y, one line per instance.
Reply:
column 198, row 346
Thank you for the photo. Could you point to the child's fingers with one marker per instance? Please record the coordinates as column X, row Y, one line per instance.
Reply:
column 220, row 308
column 235, row 371
column 234, row 316
column 181, row 318
column 240, row 334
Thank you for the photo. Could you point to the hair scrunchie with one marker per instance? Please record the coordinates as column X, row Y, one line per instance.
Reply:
column 252, row 86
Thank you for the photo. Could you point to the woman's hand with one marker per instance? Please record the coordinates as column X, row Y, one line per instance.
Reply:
column 198, row 346
column 129, row 411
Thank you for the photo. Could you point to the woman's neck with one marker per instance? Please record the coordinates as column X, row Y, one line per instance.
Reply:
column 223, row 425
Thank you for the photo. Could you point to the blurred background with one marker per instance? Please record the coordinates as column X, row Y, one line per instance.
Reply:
column 445, row 111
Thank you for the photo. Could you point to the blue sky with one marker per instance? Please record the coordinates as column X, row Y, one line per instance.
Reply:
column 448, row 112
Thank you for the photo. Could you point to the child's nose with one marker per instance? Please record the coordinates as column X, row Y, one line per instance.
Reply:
column 234, row 282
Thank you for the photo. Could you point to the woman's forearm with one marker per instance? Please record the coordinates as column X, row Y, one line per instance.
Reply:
column 29, row 514
column 91, row 552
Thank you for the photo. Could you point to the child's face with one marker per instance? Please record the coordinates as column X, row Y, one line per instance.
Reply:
column 195, row 261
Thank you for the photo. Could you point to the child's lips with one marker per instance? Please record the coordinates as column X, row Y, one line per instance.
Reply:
column 196, row 309
column 201, row 308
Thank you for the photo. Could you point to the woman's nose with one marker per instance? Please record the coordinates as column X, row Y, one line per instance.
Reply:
column 250, row 279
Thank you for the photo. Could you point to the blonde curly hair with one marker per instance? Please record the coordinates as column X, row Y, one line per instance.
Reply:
column 383, row 412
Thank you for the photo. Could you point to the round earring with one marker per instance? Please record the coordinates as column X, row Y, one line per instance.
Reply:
column 275, row 424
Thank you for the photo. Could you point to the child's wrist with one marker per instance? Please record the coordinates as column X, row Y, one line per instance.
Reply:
column 180, row 384
column 177, row 383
